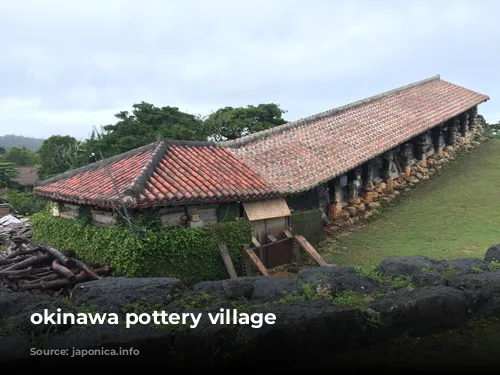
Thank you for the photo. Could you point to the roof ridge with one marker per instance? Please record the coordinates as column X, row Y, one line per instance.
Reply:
column 97, row 164
column 235, row 143
column 137, row 185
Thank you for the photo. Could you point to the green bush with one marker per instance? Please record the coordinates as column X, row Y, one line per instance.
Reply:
column 191, row 255
column 24, row 203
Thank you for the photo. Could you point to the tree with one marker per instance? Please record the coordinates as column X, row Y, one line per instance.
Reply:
column 59, row 154
column 2, row 150
column 25, row 203
column 7, row 173
column 142, row 126
column 21, row 156
column 231, row 123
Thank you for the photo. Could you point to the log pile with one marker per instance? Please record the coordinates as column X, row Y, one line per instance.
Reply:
column 44, row 269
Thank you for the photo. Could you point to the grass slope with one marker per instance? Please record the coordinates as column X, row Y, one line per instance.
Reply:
column 455, row 214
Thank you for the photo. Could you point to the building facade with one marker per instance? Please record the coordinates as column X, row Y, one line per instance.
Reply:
column 319, row 165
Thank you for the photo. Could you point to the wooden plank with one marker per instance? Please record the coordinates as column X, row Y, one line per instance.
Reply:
column 270, row 244
column 307, row 247
column 271, row 238
column 255, row 242
column 255, row 260
column 227, row 261
column 287, row 233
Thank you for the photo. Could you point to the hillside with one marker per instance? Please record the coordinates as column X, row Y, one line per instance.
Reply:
column 10, row 140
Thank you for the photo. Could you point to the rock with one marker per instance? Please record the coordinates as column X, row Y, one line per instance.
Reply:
column 148, row 341
column 268, row 289
column 419, row 176
column 368, row 197
column 414, row 180
column 373, row 205
column 15, row 348
column 338, row 222
column 421, row 269
column 114, row 293
column 493, row 253
column 351, row 210
column 431, row 309
column 354, row 202
column 396, row 192
column 361, row 207
column 344, row 215
column 466, row 266
column 16, row 310
column 425, row 178
column 425, row 271
column 366, row 214
column 481, row 289
column 369, row 186
column 238, row 289
column 382, row 185
column 354, row 219
column 339, row 278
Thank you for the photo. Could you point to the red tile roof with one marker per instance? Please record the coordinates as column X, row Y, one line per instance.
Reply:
column 99, row 183
column 298, row 156
column 160, row 174
column 288, row 159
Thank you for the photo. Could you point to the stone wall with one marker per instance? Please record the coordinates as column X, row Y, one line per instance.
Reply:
column 369, row 202
column 323, row 311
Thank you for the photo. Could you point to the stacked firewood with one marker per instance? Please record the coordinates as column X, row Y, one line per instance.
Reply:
column 42, row 268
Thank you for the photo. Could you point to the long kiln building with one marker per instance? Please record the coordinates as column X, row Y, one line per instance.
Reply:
column 293, row 176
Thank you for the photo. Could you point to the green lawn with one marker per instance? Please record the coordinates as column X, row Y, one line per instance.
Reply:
column 455, row 214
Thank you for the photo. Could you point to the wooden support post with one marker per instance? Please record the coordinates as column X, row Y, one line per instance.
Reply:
column 256, row 261
column 335, row 207
column 307, row 247
column 248, row 265
column 295, row 249
column 227, row 261
column 438, row 139
column 255, row 242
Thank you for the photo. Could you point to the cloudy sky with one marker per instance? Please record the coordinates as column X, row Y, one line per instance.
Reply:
column 66, row 66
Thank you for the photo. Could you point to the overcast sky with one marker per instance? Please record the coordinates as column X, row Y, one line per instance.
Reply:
column 66, row 66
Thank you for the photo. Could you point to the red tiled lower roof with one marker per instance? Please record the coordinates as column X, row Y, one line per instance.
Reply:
column 164, row 174
column 200, row 174
column 288, row 159
column 300, row 156
column 97, row 184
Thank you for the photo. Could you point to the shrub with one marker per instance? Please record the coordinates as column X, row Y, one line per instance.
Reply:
column 189, row 254
column 24, row 203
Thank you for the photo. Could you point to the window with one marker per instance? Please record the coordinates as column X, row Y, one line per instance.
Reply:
column 343, row 188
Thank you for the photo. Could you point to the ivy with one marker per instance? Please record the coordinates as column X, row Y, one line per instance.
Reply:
column 189, row 254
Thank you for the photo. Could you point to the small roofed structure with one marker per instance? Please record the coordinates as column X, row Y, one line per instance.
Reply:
column 27, row 177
